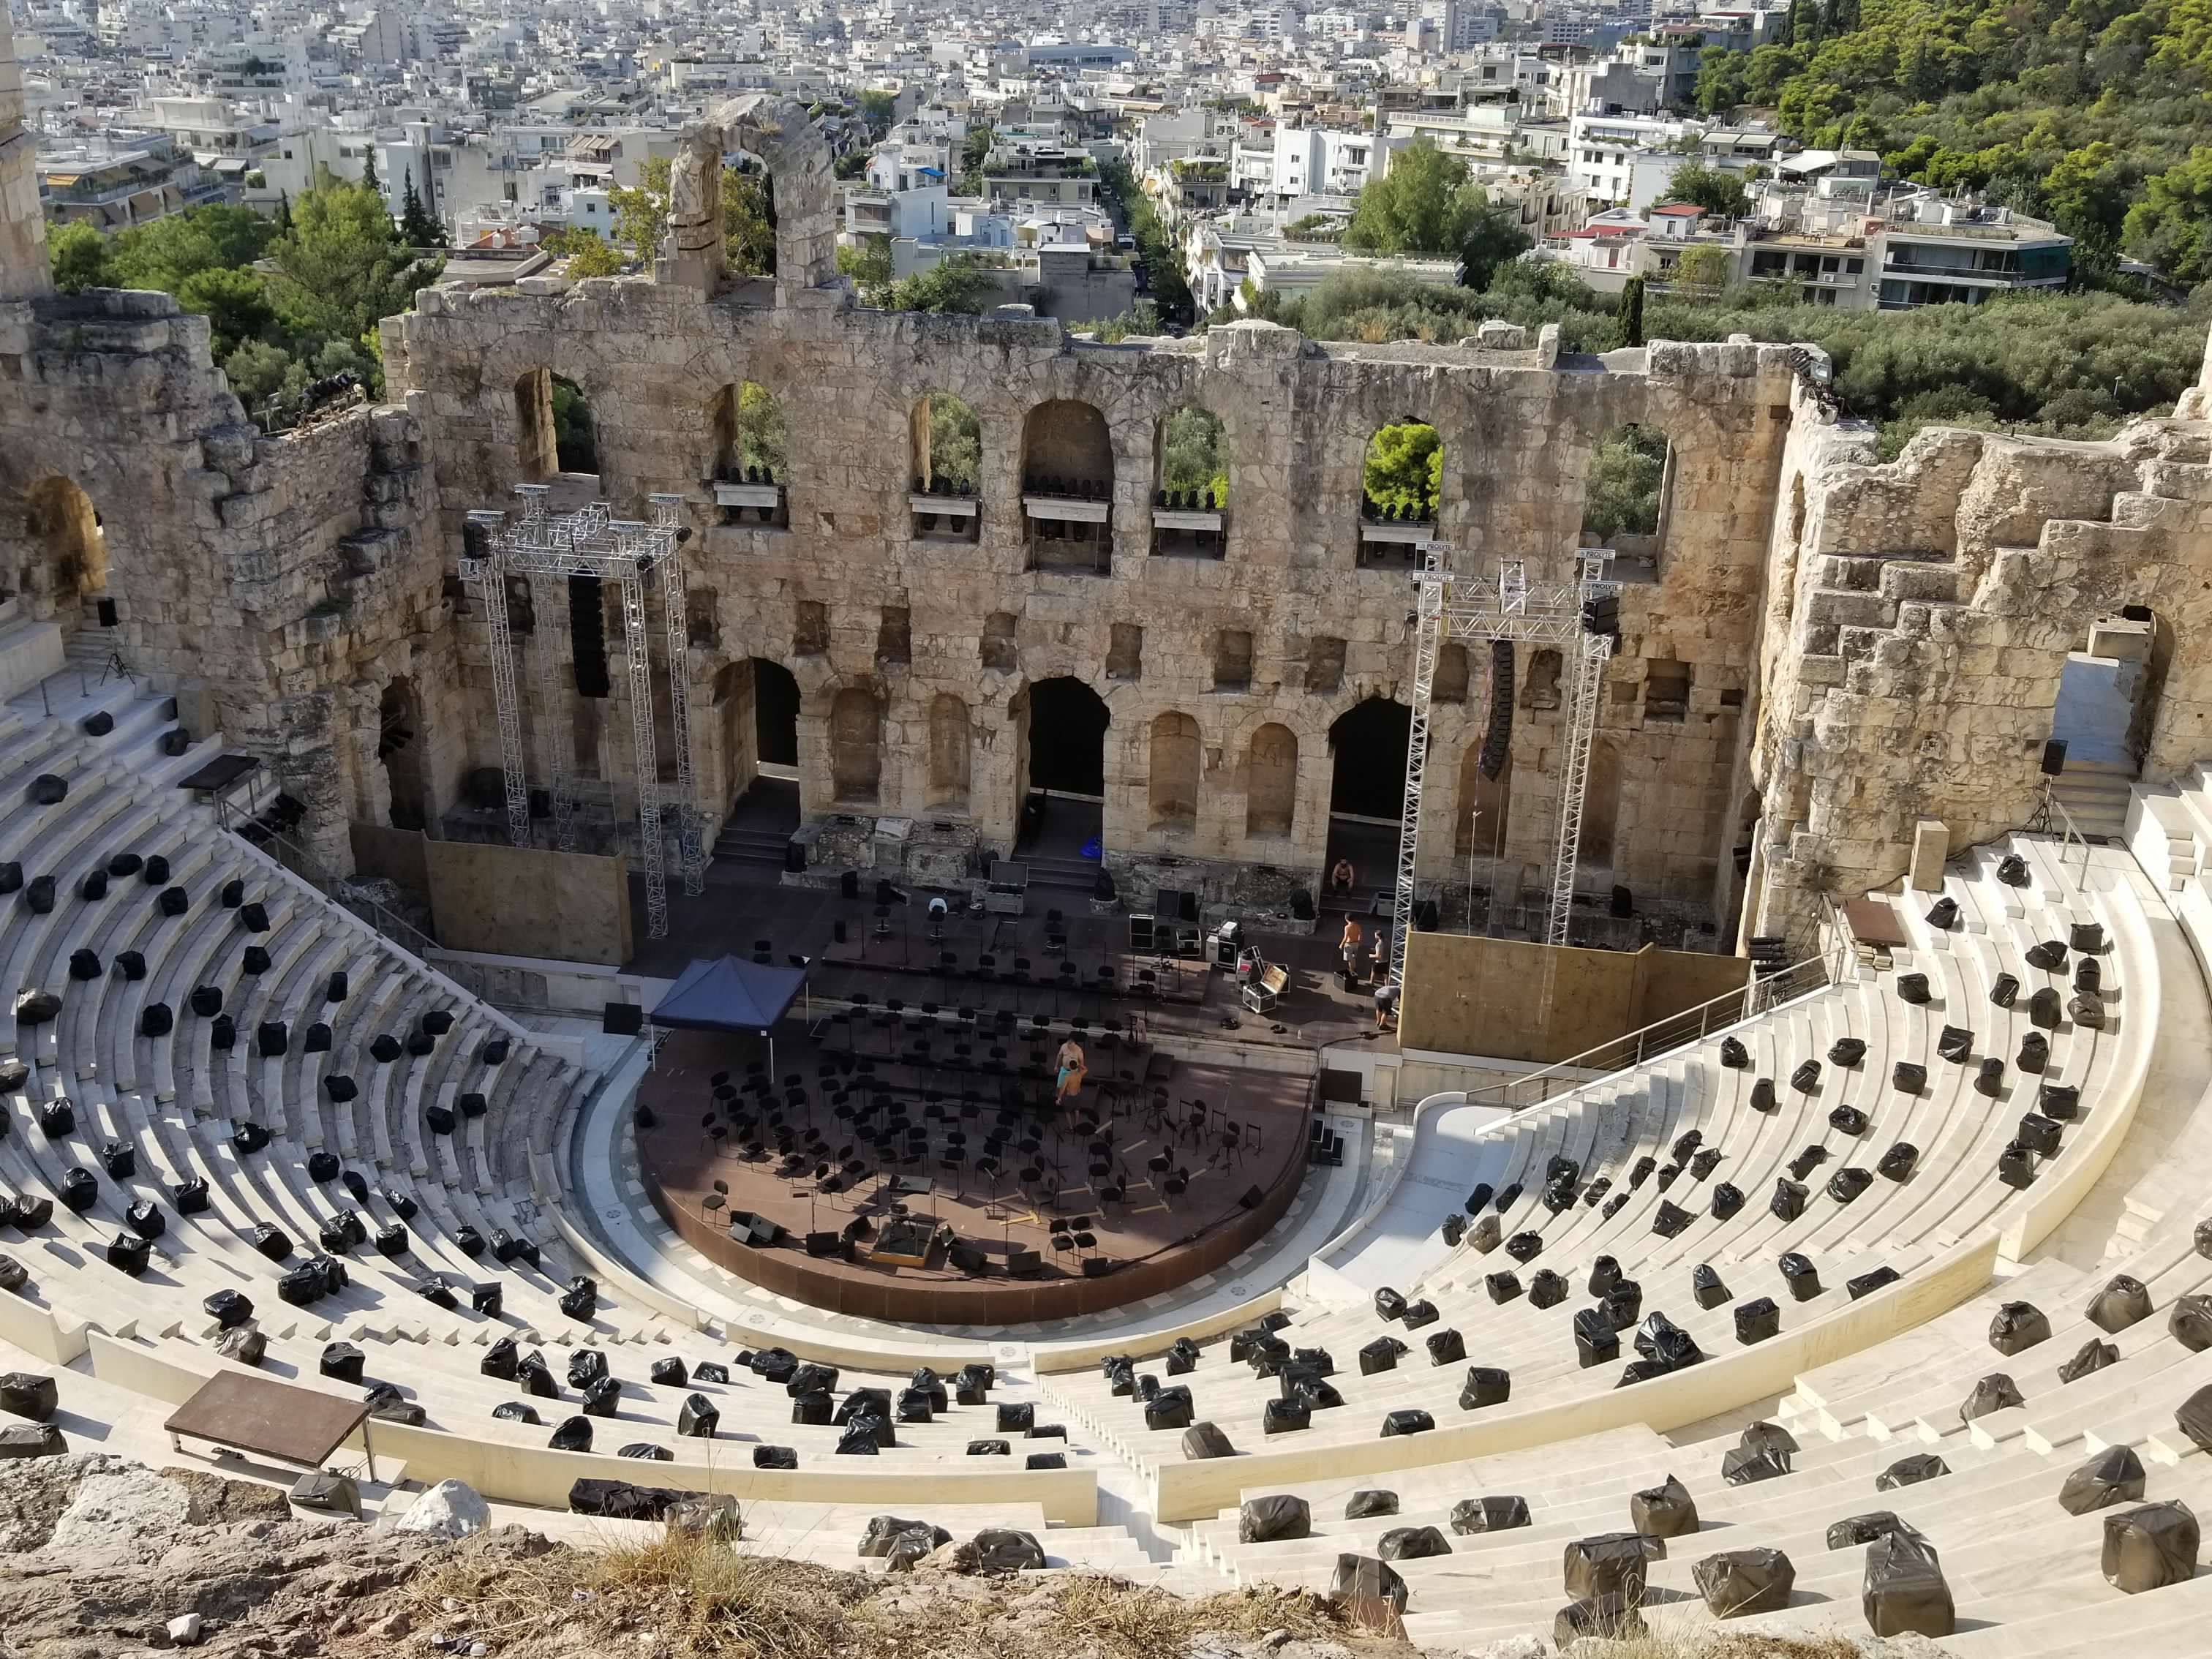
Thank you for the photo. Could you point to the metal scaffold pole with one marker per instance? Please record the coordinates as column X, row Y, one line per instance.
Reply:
column 655, row 854
column 489, row 577
column 1505, row 606
column 675, row 608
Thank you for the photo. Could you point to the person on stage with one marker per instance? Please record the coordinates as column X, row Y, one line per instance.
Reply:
column 1071, row 1068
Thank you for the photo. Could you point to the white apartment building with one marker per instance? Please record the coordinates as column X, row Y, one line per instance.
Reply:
column 1623, row 160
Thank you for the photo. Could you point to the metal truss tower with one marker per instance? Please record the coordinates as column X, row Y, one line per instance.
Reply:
column 1503, row 606
column 545, row 548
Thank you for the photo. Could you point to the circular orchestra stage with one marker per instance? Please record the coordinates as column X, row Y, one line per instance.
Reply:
column 914, row 1168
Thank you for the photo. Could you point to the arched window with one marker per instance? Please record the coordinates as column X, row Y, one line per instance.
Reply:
column 948, row 460
column 751, row 456
column 1175, row 771
column 1624, row 502
column 1401, row 486
column 948, row 752
column 399, row 744
column 1271, row 782
column 856, row 746
column 1190, row 500
column 64, row 549
column 1067, row 487
column 555, row 433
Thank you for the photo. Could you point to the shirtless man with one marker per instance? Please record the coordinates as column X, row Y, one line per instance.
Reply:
column 1071, row 1068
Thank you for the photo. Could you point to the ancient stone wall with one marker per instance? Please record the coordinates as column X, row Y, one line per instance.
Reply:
column 977, row 627
column 1919, row 614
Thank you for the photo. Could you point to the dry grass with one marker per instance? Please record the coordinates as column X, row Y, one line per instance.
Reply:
column 1708, row 1643
column 700, row 1599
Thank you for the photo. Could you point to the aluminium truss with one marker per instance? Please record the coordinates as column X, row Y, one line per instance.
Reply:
column 1507, row 605
column 545, row 548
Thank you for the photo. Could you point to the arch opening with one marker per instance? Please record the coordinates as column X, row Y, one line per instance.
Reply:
column 1173, row 787
column 752, row 447
column 399, row 744
column 1060, row 740
column 1190, row 497
column 65, row 551
column 1367, row 788
column 1400, row 490
column 755, row 712
column 1271, row 782
column 1632, row 474
column 856, row 746
column 947, row 444
column 1067, row 487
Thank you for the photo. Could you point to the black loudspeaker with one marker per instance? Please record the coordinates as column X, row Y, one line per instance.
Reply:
column 967, row 1258
column 2054, row 757
column 587, row 636
column 1253, row 1198
column 837, row 930
column 1020, row 1263
column 795, row 855
column 848, row 884
column 819, row 1244
column 2135, row 613
column 106, row 608
column 624, row 1019
column 1497, row 738
column 1623, row 903
column 1098, row 1267
column 764, row 1234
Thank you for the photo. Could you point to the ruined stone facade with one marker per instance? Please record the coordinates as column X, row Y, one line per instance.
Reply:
column 1822, row 650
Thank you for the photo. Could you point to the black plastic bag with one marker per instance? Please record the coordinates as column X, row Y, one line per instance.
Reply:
column 1904, row 1591
column 1474, row 1515
column 1411, row 1544
column 2091, row 1356
column 1739, row 1582
column 2150, row 1547
column 1994, row 1393
column 2114, row 1476
column 2123, row 1302
column 1665, row 1511
column 1273, row 1519
column 1910, row 1471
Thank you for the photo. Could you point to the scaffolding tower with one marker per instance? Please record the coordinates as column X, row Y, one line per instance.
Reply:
column 544, row 548
column 1505, row 605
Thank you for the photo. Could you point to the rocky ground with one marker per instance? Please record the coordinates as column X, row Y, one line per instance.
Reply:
column 99, row 1555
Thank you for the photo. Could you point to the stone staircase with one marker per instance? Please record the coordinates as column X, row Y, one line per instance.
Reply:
column 2096, row 795
column 762, row 848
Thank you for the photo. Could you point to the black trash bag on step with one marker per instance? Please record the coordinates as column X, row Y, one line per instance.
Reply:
column 2049, row 955
column 1912, row 988
column 1670, row 1219
column 1861, row 1530
column 1170, row 1408
column 1788, row 1200
column 775, row 1457
column 1762, row 1094
column 1805, row 1078
column 877, row 1537
column 2044, row 1009
column 2091, row 1356
column 1727, row 1200
column 1624, row 1304
column 1483, row 1237
column 1503, row 1287
column 1389, row 1305
column 2059, row 1102
column 1910, row 1471
column 2123, row 1302
column 2193, row 1417
column 1868, row 1283
column 1204, row 1440
column 574, row 1435
column 1596, row 1343
column 1703, row 1165
column 1808, row 1159
column 1956, row 1043
column 1418, row 1316
column 1486, row 1386
column 1994, row 1393
column 2016, row 1166
column 1411, row 1544
column 1847, row 1051
column 1848, row 1182
column 1899, row 1163
column 1380, row 1355
column 1603, row 1622
column 1757, row 1321
column 1273, row 1519
column 2150, row 1547
column 1363, row 1581
column 2034, row 1054
column 1610, row 1566
column 1369, row 1502
column 1735, row 1582
column 1661, row 1339
column 1904, row 1591
column 1446, row 1347
column 1477, row 1515
column 1002, row 1549
column 1605, row 1274
column 1943, row 915
column 1548, row 1289
column 2018, row 1325
column 1989, row 1079
column 2012, row 870
column 2191, row 1322
column 2086, row 1010
column 1734, row 1054
column 1665, row 1511
column 28, row 1394
column 1411, row 1420
column 1907, row 1077
column 1849, row 1120
column 2114, row 1476
column 1525, row 1246
column 1707, row 1287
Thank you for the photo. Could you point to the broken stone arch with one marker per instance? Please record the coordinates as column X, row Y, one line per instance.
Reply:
column 779, row 132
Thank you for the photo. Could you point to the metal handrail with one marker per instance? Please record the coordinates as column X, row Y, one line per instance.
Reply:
column 301, row 863
column 1676, row 1030
column 2070, row 837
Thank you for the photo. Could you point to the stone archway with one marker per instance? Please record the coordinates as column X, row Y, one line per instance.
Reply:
column 781, row 133
column 399, row 746
column 64, row 549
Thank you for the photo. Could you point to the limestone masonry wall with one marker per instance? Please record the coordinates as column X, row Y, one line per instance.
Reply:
column 1821, row 649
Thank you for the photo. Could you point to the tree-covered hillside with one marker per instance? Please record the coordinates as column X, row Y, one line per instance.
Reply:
column 2093, row 113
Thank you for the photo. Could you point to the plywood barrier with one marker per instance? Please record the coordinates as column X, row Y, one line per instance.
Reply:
column 1512, row 999
column 541, row 1477
column 525, row 901
column 1190, row 1492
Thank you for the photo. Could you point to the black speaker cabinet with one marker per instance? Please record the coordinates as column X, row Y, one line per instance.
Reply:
column 2054, row 757
column 795, row 855
column 1098, row 1266
column 624, row 1019
column 1253, row 1198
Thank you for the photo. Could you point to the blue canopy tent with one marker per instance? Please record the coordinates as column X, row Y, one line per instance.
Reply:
column 723, row 993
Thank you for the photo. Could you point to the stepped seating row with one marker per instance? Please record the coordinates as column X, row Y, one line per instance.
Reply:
column 1654, row 1148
